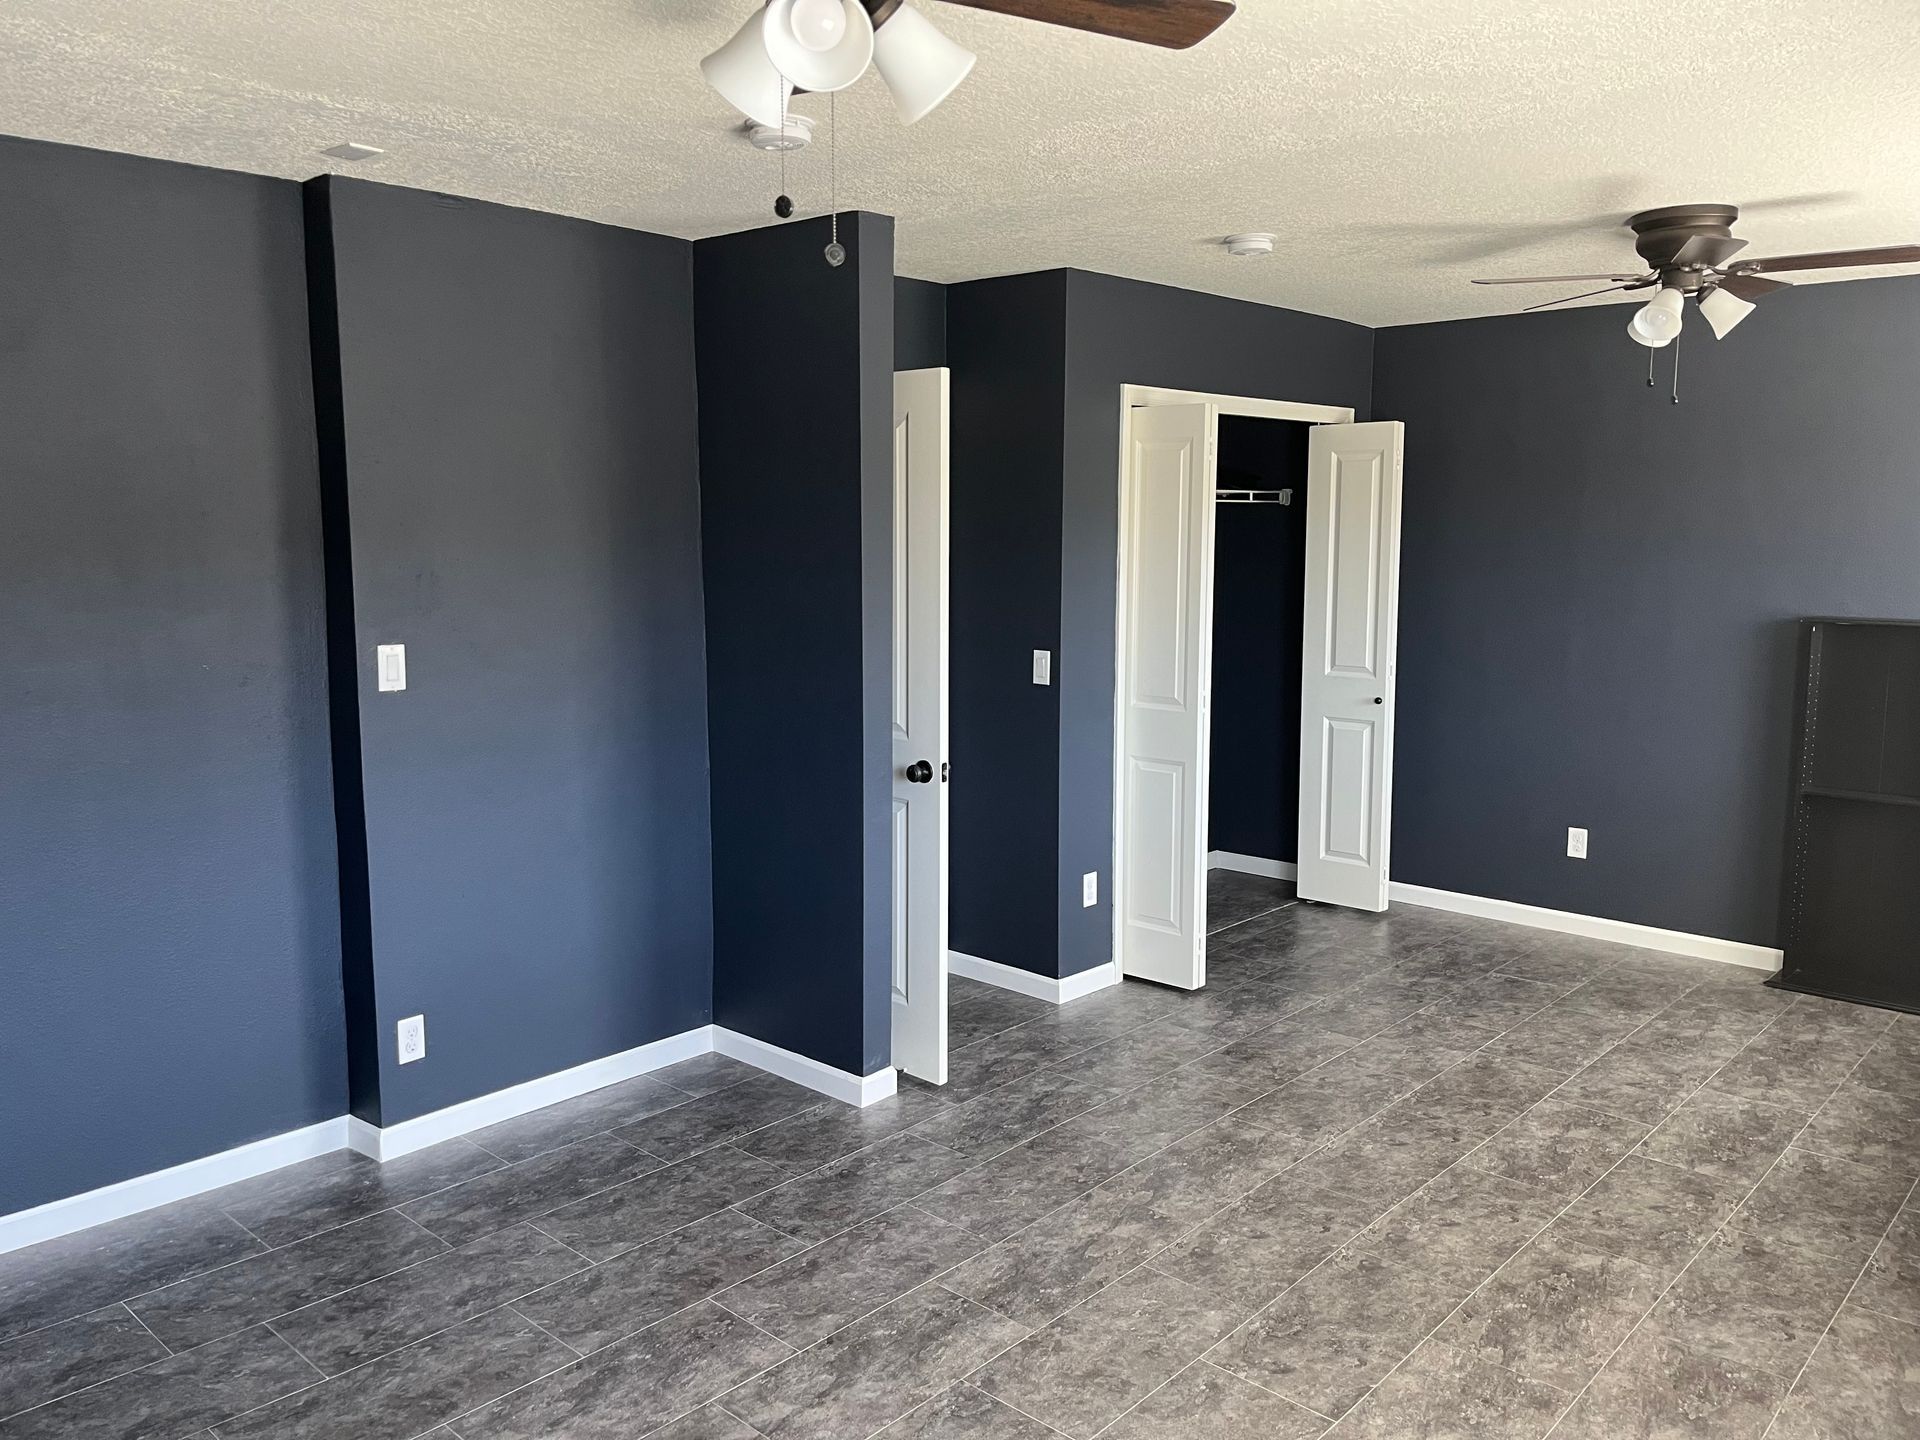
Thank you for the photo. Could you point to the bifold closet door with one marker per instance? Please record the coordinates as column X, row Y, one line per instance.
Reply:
column 1347, row 662
column 1166, row 620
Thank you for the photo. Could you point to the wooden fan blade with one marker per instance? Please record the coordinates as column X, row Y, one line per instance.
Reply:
column 1555, row 279
column 1172, row 24
column 1708, row 250
column 1752, row 287
column 1569, row 299
column 1838, row 259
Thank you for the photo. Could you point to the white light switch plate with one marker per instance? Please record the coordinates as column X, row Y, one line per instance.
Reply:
column 1576, row 843
column 391, row 666
column 1043, row 667
column 412, row 1039
column 1090, row 888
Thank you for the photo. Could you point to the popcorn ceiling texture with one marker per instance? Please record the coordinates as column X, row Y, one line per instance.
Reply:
column 1397, row 147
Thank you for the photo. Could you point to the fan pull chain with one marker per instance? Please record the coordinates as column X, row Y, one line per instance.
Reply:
column 1676, row 369
column 783, row 202
column 835, row 253
column 1651, row 352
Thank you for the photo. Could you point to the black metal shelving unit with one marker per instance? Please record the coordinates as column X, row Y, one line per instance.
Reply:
column 1851, row 911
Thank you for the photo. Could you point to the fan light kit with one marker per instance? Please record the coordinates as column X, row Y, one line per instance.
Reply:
column 826, row 45
column 1244, row 247
column 1687, row 249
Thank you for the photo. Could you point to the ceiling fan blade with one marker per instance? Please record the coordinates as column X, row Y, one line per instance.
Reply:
column 1837, row 259
column 1708, row 250
column 1751, row 287
column 1569, row 299
column 1555, row 279
column 1172, row 24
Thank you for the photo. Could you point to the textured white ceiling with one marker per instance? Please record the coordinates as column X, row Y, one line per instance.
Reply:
column 1397, row 147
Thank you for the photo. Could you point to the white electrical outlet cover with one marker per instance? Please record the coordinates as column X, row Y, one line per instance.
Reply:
column 1576, row 843
column 1090, row 888
column 412, row 1039
column 1043, row 667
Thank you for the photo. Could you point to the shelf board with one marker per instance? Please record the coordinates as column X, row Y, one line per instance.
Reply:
column 1871, row 797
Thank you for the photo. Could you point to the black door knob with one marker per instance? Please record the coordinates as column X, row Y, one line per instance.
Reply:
column 920, row 772
column 1379, row 699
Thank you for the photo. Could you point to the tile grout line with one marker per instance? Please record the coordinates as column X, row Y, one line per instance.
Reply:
column 514, row 1306
column 146, row 1327
column 304, row 1357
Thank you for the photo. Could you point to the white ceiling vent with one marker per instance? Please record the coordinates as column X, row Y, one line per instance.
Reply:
column 1242, row 247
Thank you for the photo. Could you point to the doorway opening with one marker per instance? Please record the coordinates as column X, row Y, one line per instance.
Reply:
column 1255, row 625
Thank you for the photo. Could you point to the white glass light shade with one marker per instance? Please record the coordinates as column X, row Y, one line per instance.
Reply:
column 1659, row 320
column 920, row 66
column 744, row 75
column 1723, row 310
column 819, row 71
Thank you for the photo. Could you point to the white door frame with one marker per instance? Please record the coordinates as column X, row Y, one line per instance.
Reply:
column 1132, row 397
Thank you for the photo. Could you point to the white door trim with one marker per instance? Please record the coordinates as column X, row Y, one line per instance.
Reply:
column 1132, row 397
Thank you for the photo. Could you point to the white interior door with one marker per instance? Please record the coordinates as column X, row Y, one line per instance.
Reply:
column 920, row 724
column 1165, row 635
column 1347, row 667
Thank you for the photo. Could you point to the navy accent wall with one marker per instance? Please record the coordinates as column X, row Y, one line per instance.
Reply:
column 1005, row 339
column 518, row 477
column 169, row 962
column 796, row 506
column 1127, row 332
column 1598, row 590
column 1259, row 569
column 919, row 324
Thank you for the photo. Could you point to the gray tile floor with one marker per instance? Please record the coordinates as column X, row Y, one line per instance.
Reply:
column 1412, row 1175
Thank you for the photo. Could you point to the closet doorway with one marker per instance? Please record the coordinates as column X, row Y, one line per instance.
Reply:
column 1262, row 537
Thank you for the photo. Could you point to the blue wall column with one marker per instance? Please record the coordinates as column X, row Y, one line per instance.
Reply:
column 796, row 475
column 510, row 482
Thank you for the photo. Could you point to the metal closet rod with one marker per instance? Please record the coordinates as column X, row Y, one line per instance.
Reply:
column 1253, row 497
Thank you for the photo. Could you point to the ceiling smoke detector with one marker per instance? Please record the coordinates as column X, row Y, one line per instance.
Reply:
column 352, row 150
column 797, row 135
column 1243, row 247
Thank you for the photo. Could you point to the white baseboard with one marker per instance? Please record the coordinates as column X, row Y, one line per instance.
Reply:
column 390, row 1142
column 1594, row 927
column 162, row 1187
column 1025, row 982
column 841, row 1085
column 195, row 1177
column 1251, row 865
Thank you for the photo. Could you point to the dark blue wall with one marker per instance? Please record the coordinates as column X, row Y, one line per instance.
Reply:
column 1598, row 590
column 169, row 963
column 796, row 504
column 520, row 485
column 1126, row 332
column 919, row 324
column 1006, row 339
column 1259, row 572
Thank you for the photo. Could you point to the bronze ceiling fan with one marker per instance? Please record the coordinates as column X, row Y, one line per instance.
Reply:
column 1689, row 250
